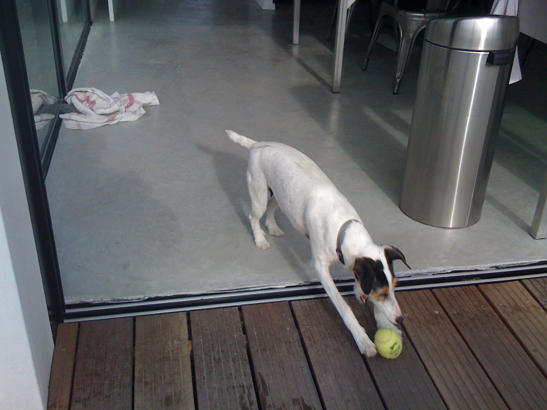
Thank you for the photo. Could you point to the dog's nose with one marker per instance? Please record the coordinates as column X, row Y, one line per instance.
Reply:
column 399, row 320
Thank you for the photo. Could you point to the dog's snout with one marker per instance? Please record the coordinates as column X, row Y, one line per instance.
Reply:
column 399, row 320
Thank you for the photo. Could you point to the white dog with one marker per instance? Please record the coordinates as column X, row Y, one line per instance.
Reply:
column 279, row 175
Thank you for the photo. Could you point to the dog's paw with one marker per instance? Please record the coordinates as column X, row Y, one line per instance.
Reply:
column 262, row 244
column 365, row 345
column 371, row 352
column 275, row 230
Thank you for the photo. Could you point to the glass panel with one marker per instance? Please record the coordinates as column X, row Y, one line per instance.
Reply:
column 72, row 21
column 39, row 58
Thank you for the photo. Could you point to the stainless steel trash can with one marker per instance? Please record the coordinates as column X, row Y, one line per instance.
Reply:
column 464, row 72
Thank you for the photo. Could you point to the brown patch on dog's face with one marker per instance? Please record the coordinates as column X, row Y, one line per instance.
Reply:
column 371, row 277
column 380, row 295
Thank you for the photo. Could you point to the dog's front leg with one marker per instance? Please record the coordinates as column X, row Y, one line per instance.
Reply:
column 365, row 345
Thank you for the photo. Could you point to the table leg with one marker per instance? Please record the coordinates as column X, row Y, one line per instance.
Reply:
column 339, row 44
column 296, row 23
column 111, row 9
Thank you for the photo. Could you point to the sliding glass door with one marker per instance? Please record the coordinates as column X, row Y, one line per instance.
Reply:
column 40, row 50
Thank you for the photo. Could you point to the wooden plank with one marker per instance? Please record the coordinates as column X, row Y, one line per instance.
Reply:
column 282, row 374
column 222, row 370
column 163, row 372
column 514, row 374
column 104, row 363
column 62, row 370
column 458, row 376
column 404, row 382
column 341, row 374
column 523, row 315
column 538, row 288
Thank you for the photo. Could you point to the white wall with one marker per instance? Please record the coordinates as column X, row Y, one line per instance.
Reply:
column 26, row 343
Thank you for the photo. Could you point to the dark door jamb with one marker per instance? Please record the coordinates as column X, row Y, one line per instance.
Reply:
column 13, row 60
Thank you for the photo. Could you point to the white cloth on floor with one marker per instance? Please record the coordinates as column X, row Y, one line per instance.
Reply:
column 38, row 99
column 40, row 121
column 96, row 108
column 509, row 8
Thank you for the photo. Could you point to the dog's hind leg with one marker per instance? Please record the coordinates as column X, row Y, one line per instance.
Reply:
column 273, row 229
column 258, row 190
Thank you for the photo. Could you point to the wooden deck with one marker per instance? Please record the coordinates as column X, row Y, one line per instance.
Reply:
column 475, row 347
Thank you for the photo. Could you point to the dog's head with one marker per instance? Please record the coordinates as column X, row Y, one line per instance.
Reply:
column 376, row 281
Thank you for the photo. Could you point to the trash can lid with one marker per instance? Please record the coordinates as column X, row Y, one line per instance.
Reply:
column 485, row 33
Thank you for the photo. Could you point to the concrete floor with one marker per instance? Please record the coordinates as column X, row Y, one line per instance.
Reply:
column 158, row 206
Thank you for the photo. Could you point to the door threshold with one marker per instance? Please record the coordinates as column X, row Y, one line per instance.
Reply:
column 180, row 303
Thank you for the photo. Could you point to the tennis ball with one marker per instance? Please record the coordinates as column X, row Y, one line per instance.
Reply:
column 388, row 343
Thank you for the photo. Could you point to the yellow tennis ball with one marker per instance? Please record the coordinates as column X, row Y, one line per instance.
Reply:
column 388, row 343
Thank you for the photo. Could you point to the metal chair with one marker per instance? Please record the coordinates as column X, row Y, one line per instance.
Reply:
column 411, row 17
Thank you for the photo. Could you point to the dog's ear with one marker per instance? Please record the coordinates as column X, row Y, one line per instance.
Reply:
column 392, row 253
column 369, row 273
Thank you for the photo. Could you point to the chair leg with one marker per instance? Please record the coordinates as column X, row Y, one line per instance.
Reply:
column 402, row 58
column 409, row 32
column 398, row 33
column 373, row 11
column 373, row 40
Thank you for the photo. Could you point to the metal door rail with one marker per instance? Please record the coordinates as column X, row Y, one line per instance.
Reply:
column 181, row 303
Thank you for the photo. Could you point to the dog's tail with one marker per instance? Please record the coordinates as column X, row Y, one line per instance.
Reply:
column 240, row 139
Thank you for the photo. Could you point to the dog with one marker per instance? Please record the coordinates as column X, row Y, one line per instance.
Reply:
column 281, row 176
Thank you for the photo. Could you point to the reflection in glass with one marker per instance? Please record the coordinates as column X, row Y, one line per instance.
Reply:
column 39, row 58
column 72, row 21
